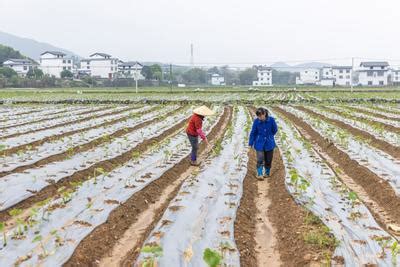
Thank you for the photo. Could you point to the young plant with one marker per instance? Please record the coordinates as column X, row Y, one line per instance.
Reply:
column 212, row 257
column 3, row 230
column 154, row 251
column 395, row 250
column 38, row 238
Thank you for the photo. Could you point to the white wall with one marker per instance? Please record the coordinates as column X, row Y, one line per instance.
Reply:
column 342, row 76
column 264, row 78
column 309, row 76
column 20, row 69
column 53, row 66
column 101, row 67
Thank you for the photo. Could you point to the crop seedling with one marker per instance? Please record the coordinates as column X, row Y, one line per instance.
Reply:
column 38, row 238
column 395, row 249
column 353, row 198
column 155, row 251
column 3, row 230
column 212, row 257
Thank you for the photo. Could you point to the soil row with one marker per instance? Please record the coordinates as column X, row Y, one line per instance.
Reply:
column 90, row 145
column 37, row 143
column 378, row 189
column 102, row 240
column 392, row 150
column 386, row 126
column 55, row 117
column 378, row 115
column 51, row 190
column 70, row 122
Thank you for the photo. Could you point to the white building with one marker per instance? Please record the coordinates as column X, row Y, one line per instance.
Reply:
column 54, row 62
column 342, row 75
column 373, row 73
column 20, row 66
column 217, row 80
column 309, row 76
column 100, row 65
column 264, row 76
column 395, row 76
column 130, row 69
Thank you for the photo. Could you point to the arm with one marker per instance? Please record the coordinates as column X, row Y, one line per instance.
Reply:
column 199, row 125
column 253, row 134
column 274, row 127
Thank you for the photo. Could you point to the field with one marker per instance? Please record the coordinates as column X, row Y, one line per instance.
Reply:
column 99, row 178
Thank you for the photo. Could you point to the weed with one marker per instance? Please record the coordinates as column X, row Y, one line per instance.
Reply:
column 212, row 257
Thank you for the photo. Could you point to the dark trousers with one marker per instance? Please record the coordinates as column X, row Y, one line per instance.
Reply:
column 265, row 158
column 194, row 142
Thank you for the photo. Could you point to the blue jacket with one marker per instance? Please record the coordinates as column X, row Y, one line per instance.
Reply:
column 262, row 134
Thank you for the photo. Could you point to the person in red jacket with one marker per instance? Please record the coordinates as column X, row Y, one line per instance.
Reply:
column 194, row 130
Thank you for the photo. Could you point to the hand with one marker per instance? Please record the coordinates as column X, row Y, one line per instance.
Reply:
column 206, row 142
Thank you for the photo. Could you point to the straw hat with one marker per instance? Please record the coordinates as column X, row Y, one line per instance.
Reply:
column 203, row 111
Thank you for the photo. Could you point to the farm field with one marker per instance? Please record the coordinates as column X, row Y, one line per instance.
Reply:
column 110, row 184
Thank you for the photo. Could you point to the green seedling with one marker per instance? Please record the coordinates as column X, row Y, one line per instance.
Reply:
column 353, row 198
column 154, row 251
column 395, row 250
column 212, row 257
column 38, row 238
column 3, row 230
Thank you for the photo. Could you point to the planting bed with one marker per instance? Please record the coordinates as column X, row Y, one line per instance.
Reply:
column 111, row 185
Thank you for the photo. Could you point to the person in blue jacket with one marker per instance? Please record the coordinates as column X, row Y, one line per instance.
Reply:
column 262, row 140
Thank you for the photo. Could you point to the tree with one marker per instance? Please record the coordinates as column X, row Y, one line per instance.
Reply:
column 66, row 74
column 195, row 76
column 156, row 72
column 247, row 76
column 35, row 73
column 146, row 72
column 7, row 72
column 8, row 52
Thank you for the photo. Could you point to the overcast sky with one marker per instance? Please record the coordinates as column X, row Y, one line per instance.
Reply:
column 222, row 31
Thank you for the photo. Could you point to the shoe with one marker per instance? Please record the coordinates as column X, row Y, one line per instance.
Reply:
column 194, row 163
column 260, row 174
column 267, row 172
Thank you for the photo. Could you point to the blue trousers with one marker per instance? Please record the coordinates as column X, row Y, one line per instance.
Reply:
column 194, row 142
column 264, row 158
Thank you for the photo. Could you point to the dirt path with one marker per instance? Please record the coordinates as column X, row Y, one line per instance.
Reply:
column 255, row 236
column 385, row 200
column 392, row 150
column 151, row 202
column 92, row 144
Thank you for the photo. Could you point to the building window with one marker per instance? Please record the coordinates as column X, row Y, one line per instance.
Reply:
column 316, row 77
column 69, row 68
column 69, row 61
column 25, row 67
column 347, row 76
column 64, row 68
column 88, row 62
column 340, row 76
column 64, row 61
column 88, row 67
column 340, row 71
column 369, row 82
column 112, row 68
column 347, row 71
column 380, row 73
column 382, row 67
column 380, row 82
column 370, row 73
column 371, row 68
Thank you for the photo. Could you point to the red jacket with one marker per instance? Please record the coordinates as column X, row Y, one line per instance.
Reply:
column 194, row 126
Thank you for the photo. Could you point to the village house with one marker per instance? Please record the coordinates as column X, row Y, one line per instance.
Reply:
column 264, row 76
column 373, row 73
column 342, row 75
column 100, row 65
column 130, row 69
column 53, row 63
column 309, row 76
column 217, row 80
column 20, row 66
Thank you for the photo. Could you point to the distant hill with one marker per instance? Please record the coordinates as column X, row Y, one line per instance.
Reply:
column 282, row 66
column 7, row 52
column 30, row 47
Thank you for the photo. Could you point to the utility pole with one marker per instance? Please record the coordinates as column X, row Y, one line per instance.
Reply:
column 170, row 77
column 352, row 71
column 136, row 77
